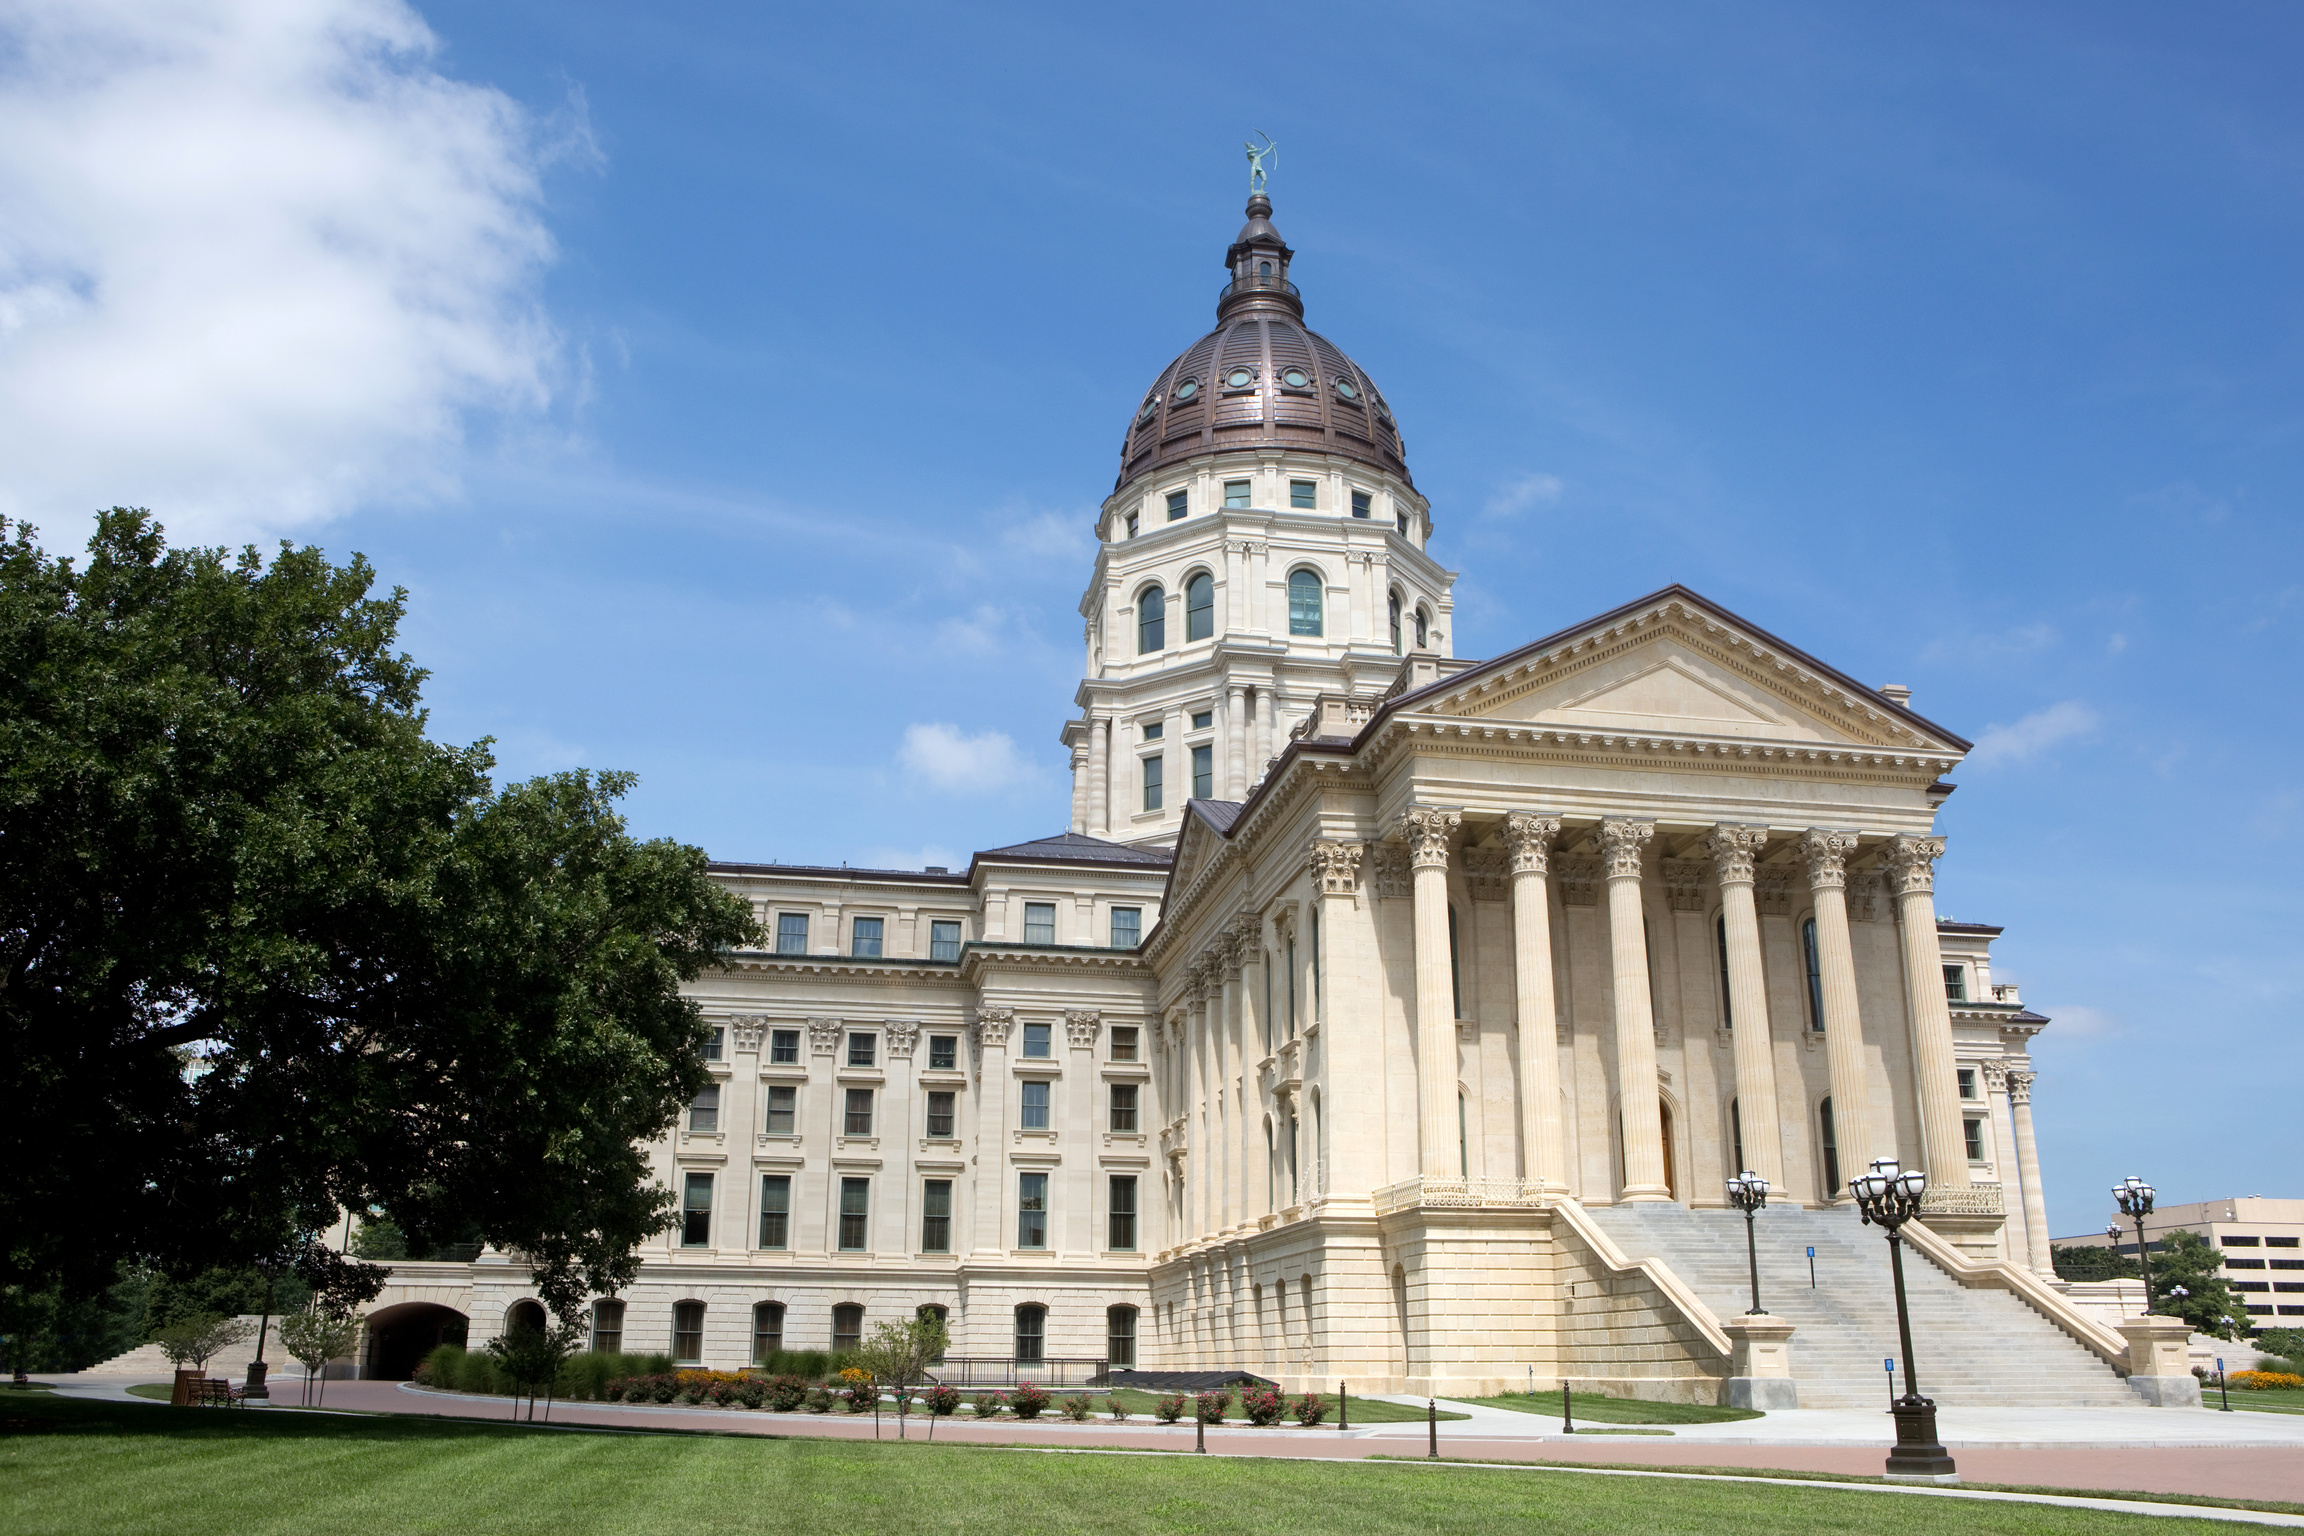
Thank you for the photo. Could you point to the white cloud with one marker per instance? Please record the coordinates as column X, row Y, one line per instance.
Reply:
column 949, row 759
column 2034, row 734
column 1523, row 493
column 925, row 856
column 2076, row 1021
column 259, row 260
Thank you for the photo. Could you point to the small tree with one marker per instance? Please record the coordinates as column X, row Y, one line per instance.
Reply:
column 2188, row 1282
column 314, row 1338
column 531, row 1358
column 899, row 1354
column 2089, row 1261
column 194, row 1340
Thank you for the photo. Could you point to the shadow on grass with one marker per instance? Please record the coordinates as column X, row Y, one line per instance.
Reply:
column 47, row 1414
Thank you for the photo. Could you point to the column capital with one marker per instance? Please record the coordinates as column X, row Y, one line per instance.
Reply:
column 1826, row 855
column 992, row 1026
column 2020, row 1086
column 1081, row 1026
column 1428, row 832
column 1622, row 843
column 1912, row 863
column 1734, row 849
column 1336, row 866
column 1247, row 939
column 1529, row 837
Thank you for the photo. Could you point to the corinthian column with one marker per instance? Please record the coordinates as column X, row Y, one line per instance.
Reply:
column 1734, row 849
column 1428, row 833
column 1099, row 778
column 1912, row 869
column 1236, row 727
column 1530, row 840
column 1623, row 843
column 1826, row 854
column 2028, row 1169
column 1225, row 961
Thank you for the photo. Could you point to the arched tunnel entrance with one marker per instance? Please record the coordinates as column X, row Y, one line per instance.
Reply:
column 400, row 1337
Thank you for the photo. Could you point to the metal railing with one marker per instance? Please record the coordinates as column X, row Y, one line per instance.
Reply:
column 1007, row 1371
column 1259, row 285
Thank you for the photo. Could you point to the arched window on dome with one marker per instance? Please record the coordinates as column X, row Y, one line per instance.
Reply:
column 1395, row 621
column 1199, row 607
column 1151, row 621
column 1423, row 629
column 1303, row 602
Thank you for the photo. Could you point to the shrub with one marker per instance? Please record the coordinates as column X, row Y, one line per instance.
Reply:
column 1211, row 1404
column 988, row 1404
column 2292, row 1365
column 1029, row 1400
column 752, row 1392
column 785, row 1394
column 2267, row 1381
column 942, row 1401
column 807, row 1364
column 820, row 1400
column 1118, row 1411
column 438, row 1369
column 858, row 1390
column 1077, row 1408
column 1310, row 1409
column 662, row 1387
column 2285, row 1342
column 1170, row 1409
column 1263, row 1405
column 475, row 1372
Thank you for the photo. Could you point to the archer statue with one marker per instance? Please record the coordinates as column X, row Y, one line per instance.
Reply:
column 1257, row 158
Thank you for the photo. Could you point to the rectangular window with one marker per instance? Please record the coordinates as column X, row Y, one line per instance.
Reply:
column 2243, row 1263
column 710, row 1049
column 1120, row 1222
column 784, row 1048
column 1124, row 1042
column 1235, row 493
column 688, row 1333
column 2241, row 1242
column 1032, row 1210
column 863, row 1048
column 855, row 1212
column 1123, row 1106
column 864, row 938
column 1127, row 927
column 1177, row 503
column 775, row 1210
column 608, row 1327
column 767, row 1331
column 791, row 933
column 1039, row 922
column 1956, row 983
column 704, row 1111
column 1155, row 729
column 936, row 1216
column 1035, row 1106
column 1815, row 966
column 783, row 1110
column 1131, row 525
column 1203, row 719
column 943, row 941
column 2280, row 1242
column 1120, row 1337
column 1967, row 1082
column 1972, row 1132
column 1037, row 1040
column 847, row 1322
column 943, row 1053
column 858, row 1120
column 1304, row 493
column 1400, row 519
column 940, row 1115
column 1203, row 772
column 696, row 1211
column 1359, row 503
column 1152, row 783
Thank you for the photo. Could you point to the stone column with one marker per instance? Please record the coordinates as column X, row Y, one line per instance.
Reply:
column 1235, row 1172
column 1248, row 964
column 1080, row 786
column 1235, row 742
column 1623, row 843
column 1099, row 778
column 1912, row 871
column 992, row 1095
column 2028, row 1169
column 1196, row 1077
column 1826, row 854
column 1428, row 833
column 1530, row 840
column 1734, row 850
column 1268, row 699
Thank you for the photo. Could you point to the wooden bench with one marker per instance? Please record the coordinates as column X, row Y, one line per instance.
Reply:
column 216, row 1392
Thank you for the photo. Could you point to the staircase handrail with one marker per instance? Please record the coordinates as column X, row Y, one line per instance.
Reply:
column 2027, row 1286
column 1656, row 1271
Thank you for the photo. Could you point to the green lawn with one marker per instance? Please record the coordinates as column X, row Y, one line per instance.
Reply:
column 75, row 1468
column 1616, row 1410
column 2276, row 1400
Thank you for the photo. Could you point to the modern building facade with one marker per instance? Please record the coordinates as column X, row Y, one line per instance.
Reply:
column 2262, row 1242
column 1373, row 994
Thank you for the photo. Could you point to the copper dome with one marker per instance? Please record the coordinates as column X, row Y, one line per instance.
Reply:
column 1261, row 379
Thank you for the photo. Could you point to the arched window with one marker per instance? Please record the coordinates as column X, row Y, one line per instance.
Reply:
column 1455, row 977
column 1151, row 621
column 1295, row 1197
column 1395, row 607
column 1303, row 603
column 847, row 1326
column 524, row 1317
column 1815, row 975
column 1120, row 1338
column 1031, row 1333
column 1720, row 932
column 1736, row 1134
column 1423, row 629
column 1831, row 1142
column 1271, row 1169
column 767, row 1331
column 1463, row 1137
column 1200, row 607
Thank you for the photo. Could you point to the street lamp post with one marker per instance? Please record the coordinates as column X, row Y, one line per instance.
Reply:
column 1748, row 1192
column 1888, row 1197
column 2135, row 1199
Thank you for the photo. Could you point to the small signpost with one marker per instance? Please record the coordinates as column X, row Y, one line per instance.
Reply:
column 1811, row 1266
column 2222, row 1390
column 1890, row 1365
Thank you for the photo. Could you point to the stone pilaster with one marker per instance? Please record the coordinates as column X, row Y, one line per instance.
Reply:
column 2028, row 1170
column 1826, row 855
column 1623, row 845
column 1912, row 872
column 993, row 1095
column 1099, row 776
column 1734, row 850
column 1428, row 834
column 1528, row 838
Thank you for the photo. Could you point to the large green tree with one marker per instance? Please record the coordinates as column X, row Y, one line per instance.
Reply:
column 267, row 951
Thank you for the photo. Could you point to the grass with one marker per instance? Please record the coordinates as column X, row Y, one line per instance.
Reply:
column 2272, row 1400
column 1365, row 1410
column 1616, row 1410
column 77, row 1467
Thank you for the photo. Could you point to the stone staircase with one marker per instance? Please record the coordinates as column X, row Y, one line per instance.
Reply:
column 1972, row 1345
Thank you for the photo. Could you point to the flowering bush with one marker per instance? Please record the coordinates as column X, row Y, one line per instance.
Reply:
column 2266, row 1381
column 1310, row 1409
column 1170, row 1409
column 820, row 1400
column 1263, row 1405
column 988, row 1404
column 1029, row 1400
column 942, row 1400
column 1118, row 1410
column 1077, row 1408
column 783, row 1394
column 1211, row 1404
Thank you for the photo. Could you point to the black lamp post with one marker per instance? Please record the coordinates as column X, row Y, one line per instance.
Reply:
column 1888, row 1197
column 1748, row 1192
column 2135, row 1198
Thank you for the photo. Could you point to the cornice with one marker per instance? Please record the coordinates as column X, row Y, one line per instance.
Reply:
column 980, row 954
column 1455, row 737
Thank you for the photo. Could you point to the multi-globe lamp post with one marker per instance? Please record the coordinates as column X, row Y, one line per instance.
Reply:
column 2134, row 1197
column 1888, row 1197
column 1748, row 1192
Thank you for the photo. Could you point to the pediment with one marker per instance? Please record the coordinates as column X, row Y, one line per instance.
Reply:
column 1666, row 689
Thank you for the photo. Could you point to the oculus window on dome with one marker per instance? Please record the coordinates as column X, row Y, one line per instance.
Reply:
column 1303, row 603
column 1344, row 387
column 1296, row 378
column 1199, row 607
column 1240, row 378
column 1187, row 390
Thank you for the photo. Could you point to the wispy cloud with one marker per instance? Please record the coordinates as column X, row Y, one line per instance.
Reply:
column 1533, row 490
column 2077, row 1021
column 1996, row 645
column 950, row 759
column 2034, row 734
column 927, row 855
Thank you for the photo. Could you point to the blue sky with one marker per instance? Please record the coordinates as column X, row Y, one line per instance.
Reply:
column 732, row 388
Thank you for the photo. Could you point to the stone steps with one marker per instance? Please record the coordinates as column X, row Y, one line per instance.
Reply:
column 1970, row 1344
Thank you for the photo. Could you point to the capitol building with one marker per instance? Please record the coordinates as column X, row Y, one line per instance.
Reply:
column 1382, row 1015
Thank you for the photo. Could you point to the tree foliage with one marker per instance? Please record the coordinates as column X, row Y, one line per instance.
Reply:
column 193, row 1340
column 2088, row 1261
column 267, row 952
column 2188, row 1282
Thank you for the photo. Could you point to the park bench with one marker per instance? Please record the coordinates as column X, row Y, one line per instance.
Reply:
column 216, row 1392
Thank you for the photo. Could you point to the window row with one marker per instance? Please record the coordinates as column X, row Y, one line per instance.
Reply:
column 1420, row 617
column 768, row 1334
column 1306, row 609
column 943, row 1050
column 939, row 1119
column 852, row 1232
column 867, row 936
column 1303, row 496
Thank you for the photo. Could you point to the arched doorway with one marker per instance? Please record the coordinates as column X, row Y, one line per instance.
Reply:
column 398, row 1338
column 524, row 1315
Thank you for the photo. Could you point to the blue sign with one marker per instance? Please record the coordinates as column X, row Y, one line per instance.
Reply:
column 1811, row 1252
column 1890, row 1364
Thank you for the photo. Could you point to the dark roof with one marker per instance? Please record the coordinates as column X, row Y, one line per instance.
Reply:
column 2029, row 1017
column 1219, row 814
column 841, row 872
column 1072, row 848
column 1946, row 925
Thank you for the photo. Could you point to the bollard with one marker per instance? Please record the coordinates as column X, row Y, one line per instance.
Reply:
column 1343, row 1411
column 1432, row 1429
column 1199, row 1431
column 1567, row 1408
